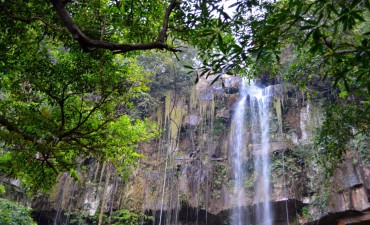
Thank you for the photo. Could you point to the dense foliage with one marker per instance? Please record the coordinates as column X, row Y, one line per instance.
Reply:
column 122, row 216
column 59, row 104
column 14, row 214
column 65, row 92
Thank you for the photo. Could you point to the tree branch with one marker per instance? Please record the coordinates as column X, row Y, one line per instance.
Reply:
column 102, row 101
column 90, row 44
column 10, row 127
column 163, row 33
column 343, row 52
column 29, row 19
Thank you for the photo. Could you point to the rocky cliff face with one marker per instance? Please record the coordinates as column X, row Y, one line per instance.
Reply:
column 187, row 178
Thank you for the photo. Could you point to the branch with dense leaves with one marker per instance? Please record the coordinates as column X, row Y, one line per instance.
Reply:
column 28, row 20
column 90, row 44
column 5, row 123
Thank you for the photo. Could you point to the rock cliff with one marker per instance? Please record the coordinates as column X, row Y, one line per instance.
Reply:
column 186, row 175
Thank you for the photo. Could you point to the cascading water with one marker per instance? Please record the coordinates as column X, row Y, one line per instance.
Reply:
column 238, row 146
column 259, row 105
column 258, row 110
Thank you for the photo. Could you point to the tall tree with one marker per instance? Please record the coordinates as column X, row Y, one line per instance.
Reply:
column 59, row 104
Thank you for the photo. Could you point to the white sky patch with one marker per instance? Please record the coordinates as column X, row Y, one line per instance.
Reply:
column 227, row 4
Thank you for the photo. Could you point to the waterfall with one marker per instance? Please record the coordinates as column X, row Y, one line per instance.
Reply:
column 256, row 113
column 259, row 104
column 238, row 145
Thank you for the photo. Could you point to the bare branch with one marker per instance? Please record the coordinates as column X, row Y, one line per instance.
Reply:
column 90, row 44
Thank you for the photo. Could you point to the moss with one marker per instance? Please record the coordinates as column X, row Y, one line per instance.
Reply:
column 313, row 118
column 278, row 107
column 219, row 177
column 2, row 189
column 167, row 105
column 184, row 197
column 249, row 182
column 219, row 126
column 305, row 212
column 193, row 98
column 159, row 118
column 230, row 184
column 175, row 122
column 320, row 200
column 361, row 143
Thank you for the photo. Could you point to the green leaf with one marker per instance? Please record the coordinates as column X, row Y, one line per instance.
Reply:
column 188, row 67
column 358, row 16
column 196, row 79
column 354, row 3
column 343, row 94
column 299, row 10
column 307, row 27
column 216, row 78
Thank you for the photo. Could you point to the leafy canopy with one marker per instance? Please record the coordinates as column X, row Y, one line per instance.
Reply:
column 60, row 105
column 64, row 91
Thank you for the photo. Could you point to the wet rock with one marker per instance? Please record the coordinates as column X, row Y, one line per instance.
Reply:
column 192, row 119
column 272, row 147
column 223, row 113
column 349, row 217
column 346, row 176
column 230, row 101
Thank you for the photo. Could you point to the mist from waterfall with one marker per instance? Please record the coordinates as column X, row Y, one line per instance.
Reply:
column 253, row 106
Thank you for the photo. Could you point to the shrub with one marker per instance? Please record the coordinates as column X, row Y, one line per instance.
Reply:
column 13, row 214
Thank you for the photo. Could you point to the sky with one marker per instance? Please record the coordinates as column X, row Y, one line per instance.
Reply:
column 227, row 4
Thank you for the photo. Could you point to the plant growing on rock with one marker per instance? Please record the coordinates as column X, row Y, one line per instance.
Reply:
column 14, row 214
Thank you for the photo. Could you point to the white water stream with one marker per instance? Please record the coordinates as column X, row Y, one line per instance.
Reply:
column 238, row 145
column 253, row 106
